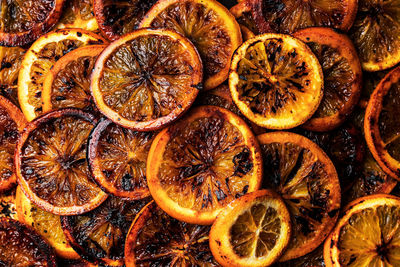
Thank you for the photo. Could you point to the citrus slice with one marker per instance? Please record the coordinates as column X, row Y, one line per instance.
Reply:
column 67, row 83
column 21, row 246
column 156, row 239
column 376, row 34
column 117, row 159
column 39, row 59
column 288, row 16
column 147, row 79
column 313, row 259
column 44, row 223
column 22, row 22
column 368, row 233
column 50, row 163
column 304, row 176
column 200, row 164
column 208, row 24
column 78, row 14
column 7, row 205
column 242, row 13
column 99, row 235
column 342, row 76
column 276, row 81
column 382, row 123
column 119, row 17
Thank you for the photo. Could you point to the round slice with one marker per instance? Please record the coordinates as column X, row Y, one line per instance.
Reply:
column 156, row 239
column 342, row 76
column 45, row 223
column 208, row 24
column 67, row 83
column 7, row 205
column 78, row 14
column 200, row 164
column 276, row 81
column 50, row 163
column 382, row 123
column 376, row 34
column 147, row 79
column 367, row 234
column 304, row 176
column 39, row 59
column 22, row 22
column 117, row 159
column 21, row 246
column 99, row 236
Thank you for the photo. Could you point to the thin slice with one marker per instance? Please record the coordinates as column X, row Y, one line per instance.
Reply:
column 78, row 14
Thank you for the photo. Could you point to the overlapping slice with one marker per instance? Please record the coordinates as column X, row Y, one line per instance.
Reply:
column 313, row 259
column 156, row 239
column 306, row 179
column 200, row 164
column 51, row 164
column 244, row 16
column 276, row 81
column 78, row 14
column 147, row 79
column 253, row 230
column 7, row 205
column 208, row 24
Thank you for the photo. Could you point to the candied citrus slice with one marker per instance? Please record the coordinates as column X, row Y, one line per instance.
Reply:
column 45, row 223
column 376, row 34
column 22, row 22
column 7, row 205
column 39, row 59
column 156, row 239
column 200, row 164
column 276, row 81
column 50, row 163
column 342, row 76
column 21, row 246
column 253, row 230
column 117, row 159
column 382, row 123
column 67, row 83
column 288, row 16
column 99, row 235
column 208, row 24
column 119, row 17
column 78, row 14
column 242, row 13
column 305, row 177
column 147, row 79
column 313, row 259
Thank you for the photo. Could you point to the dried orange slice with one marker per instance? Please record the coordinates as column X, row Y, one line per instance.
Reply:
column 67, row 83
column 305, row 177
column 50, row 163
column 156, row 239
column 7, row 205
column 45, row 223
column 147, row 79
column 99, row 235
column 276, row 81
column 200, row 164
column 117, row 159
column 22, row 22
column 244, row 16
column 39, row 59
column 21, row 246
column 208, row 24
column 342, row 76
column 313, row 259
column 78, row 14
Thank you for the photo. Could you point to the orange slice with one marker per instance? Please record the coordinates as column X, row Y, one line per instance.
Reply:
column 78, row 14
column 244, row 16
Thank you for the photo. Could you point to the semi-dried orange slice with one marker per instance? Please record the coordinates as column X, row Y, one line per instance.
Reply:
column 45, row 223
column 208, row 24
column 78, row 14
column 342, row 76
column 22, row 22
column 50, row 163
column 21, row 246
column 39, row 59
column 147, row 79
column 117, row 159
column 368, row 234
column 156, row 239
column 376, row 34
column 67, row 83
column 200, row 164
column 276, row 81
column 382, row 123
column 305, row 177
column 253, row 230
column 7, row 205
column 99, row 235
